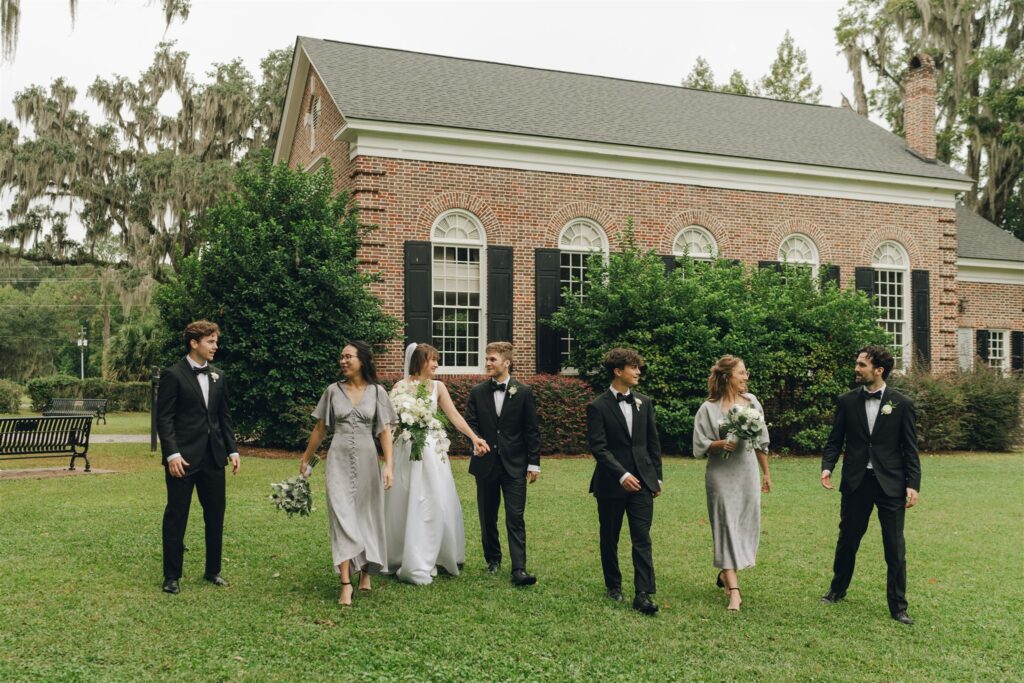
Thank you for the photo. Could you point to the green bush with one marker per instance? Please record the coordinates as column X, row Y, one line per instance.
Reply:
column 121, row 396
column 10, row 396
column 992, row 419
column 798, row 337
column 940, row 407
column 279, row 273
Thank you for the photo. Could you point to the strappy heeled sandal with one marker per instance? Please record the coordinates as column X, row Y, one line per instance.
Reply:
column 345, row 604
column 737, row 607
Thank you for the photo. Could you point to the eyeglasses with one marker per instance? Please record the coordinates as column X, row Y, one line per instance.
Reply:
column 349, row 356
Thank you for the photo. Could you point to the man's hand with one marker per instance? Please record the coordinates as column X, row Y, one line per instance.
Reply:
column 911, row 498
column 177, row 467
column 236, row 462
column 661, row 488
column 631, row 484
column 480, row 446
column 826, row 479
column 531, row 477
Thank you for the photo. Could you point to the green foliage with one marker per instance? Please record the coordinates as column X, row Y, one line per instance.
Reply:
column 135, row 348
column 992, row 420
column 10, row 396
column 940, row 406
column 788, row 77
column 279, row 274
column 123, row 396
column 798, row 339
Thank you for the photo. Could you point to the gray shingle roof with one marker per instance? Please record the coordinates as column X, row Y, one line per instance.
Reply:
column 979, row 238
column 409, row 87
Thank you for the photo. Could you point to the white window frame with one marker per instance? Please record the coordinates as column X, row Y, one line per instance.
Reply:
column 965, row 348
column 679, row 244
column 567, row 245
column 1004, row 345
column 889, row 268
column 468, row 242
column 315, row 107
column 814, row 261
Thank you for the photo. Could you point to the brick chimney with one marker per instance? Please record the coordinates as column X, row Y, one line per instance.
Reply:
column 919, row 106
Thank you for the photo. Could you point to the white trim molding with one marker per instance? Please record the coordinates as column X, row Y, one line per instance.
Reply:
column 417, row 142
column 990, row 271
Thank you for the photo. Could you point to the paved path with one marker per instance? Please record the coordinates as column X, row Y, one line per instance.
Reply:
column 119, row 438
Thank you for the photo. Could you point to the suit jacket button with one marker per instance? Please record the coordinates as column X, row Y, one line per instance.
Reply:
column 499, row 431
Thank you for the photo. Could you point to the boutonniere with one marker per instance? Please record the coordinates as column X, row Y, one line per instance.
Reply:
column 214, row 376
column 512, row 390
column 887, row 408
column 638, row 403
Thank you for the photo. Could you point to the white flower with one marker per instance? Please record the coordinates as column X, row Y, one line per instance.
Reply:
column 887, row 409
column 639, row 403
column 214, row 376
column 512, row 390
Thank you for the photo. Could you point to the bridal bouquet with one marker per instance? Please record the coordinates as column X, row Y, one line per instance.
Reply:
column 742, row 423
column 417, row 419
column 293, row 495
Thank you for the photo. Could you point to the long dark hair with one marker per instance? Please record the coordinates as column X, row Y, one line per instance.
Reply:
column 368, row 369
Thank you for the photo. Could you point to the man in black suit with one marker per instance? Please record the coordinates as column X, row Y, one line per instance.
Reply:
column 624, row 440
column 197, row 439
column 504, row 413
column 877, row 426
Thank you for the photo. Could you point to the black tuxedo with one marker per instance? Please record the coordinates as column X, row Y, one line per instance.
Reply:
column 617, row 452
column 204, row 436
column 514, row 439
column 891, row 449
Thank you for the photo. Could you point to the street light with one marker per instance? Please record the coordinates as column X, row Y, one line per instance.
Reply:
column 82, row 343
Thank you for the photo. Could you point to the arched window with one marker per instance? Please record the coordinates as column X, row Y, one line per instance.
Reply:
column 458, row 291
column 579, row 240
column 696, row 242
column 798, row 250
column 892, row 268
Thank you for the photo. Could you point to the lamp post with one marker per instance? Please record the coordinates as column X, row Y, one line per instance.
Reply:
column 83, row 342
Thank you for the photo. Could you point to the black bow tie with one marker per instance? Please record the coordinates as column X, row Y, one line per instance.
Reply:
column 873, row 394
column 628, row 398
column 205, row 370
column 497, row 387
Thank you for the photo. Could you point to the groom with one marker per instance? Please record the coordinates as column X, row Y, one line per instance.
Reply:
column 197, row 439
column 877, row 427
column 503, row 412
column 627, row 478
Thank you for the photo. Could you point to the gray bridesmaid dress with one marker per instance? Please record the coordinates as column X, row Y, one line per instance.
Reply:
column 733, row 489
column 355, row 486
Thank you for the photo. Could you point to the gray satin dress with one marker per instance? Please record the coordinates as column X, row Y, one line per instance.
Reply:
column 355, row 486
column 733, row 489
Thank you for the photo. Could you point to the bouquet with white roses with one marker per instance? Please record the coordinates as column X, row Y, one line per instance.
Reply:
column 293, row 495
column 417, row 418
column 742, row 422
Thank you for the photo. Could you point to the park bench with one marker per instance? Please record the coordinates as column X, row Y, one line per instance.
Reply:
column 22, row 438
column 78, row 406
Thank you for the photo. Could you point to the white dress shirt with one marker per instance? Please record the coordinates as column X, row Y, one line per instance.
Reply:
column 627, row 412
column 871, row 408
column 204, row 385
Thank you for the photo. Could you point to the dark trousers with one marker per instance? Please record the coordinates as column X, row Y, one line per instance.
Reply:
column 208, row 481
column 489, row 492
column 639, row 509
column 854, row 513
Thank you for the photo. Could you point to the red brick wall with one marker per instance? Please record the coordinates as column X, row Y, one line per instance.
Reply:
column 991, row 306
column 303, row 154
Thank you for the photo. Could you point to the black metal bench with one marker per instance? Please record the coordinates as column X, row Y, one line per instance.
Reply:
column 78, row 406
column 22, row 438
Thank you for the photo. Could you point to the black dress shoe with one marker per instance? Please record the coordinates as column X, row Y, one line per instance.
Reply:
column 216, row 580
column 521, row 578
column 831, row 598
column 493, row 567
column 903, row 617
column 642, row 603
column 615, row 594
column 171, row 586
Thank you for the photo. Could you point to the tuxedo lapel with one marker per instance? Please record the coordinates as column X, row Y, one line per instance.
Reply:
column 862, row 411
column 487, row 396
column 616, row 411
column 193, row 381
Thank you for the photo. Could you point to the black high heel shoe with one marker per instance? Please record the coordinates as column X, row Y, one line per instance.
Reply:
column 718, row 581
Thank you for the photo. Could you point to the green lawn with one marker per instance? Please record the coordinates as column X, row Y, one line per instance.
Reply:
column 117, row 423
column 80, row 586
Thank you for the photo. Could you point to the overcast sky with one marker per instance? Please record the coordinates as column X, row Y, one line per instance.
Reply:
column 648, row 41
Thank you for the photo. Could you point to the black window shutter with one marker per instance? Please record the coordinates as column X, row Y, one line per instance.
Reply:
column 921, row 313
column 777, row 265
column 549, row 297
column 864, row 280
column 736, row 262
column 499, row 294
column 981, row 344
column 670, row 263
column 417, row 293
column 830, row 274
column 1017, row 351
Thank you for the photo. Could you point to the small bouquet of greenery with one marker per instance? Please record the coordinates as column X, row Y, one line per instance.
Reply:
column 741, row 422
column 294, row 495
column 417, row 418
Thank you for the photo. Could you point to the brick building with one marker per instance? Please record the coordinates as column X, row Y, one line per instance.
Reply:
column 492, row 183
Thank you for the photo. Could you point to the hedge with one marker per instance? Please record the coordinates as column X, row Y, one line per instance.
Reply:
column 10, row 396
column 122, row 396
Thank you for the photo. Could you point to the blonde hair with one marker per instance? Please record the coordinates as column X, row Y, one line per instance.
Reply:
column 721, row 371
column 502, row 348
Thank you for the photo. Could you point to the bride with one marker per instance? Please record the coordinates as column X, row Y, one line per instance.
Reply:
column 423, row 516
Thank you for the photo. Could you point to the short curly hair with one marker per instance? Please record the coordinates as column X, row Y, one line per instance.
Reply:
column 197, row 330
column 619, row 357
column 880, row 357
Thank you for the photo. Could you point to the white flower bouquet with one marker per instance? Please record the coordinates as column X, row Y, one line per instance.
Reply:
column 417, row 418
column 294, row 495
column 742, row 422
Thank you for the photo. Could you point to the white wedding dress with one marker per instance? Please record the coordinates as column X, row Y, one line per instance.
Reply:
column 423, row 515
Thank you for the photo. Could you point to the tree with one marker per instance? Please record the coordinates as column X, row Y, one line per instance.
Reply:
column 701, row 77
column 738, row 85
column 797, row 336
column 10, row 20
column 278, row 272
column 788, row 77
column 977, row 49
column 141, row 177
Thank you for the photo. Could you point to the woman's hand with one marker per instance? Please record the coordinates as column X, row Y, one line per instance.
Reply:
column 388, row 480
column 723, row 445
column 480, row 445
column 766, row 483
column 303, row 464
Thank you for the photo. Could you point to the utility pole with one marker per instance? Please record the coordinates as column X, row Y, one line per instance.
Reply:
column 83, row 342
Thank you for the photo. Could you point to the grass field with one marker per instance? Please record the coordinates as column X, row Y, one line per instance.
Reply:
column 117, row 423
column 80, row 585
